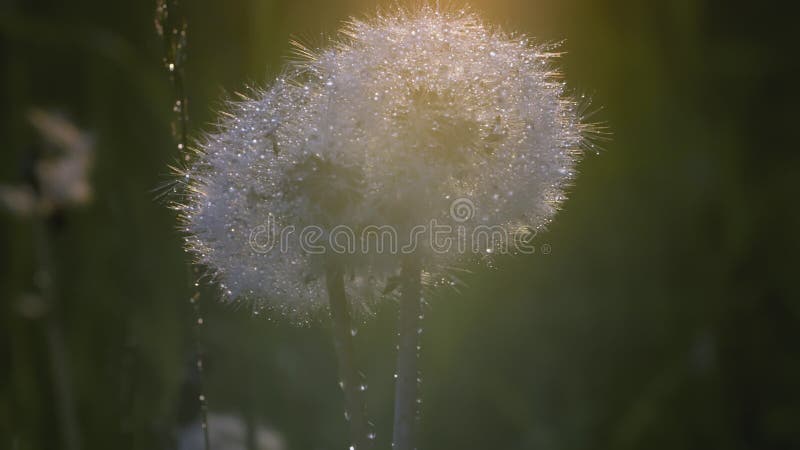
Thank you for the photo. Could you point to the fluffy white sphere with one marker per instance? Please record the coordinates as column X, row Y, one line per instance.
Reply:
column 404, row 116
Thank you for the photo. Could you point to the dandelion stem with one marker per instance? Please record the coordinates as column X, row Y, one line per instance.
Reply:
column 408, row 331
column 348, row 374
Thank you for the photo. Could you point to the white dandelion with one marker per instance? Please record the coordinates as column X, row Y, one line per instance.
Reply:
column 404, row 115
column 413, row 116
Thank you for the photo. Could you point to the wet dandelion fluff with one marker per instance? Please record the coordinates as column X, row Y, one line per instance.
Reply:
column 403, row 114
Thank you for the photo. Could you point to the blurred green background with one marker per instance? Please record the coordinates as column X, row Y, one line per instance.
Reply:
column 666, row 315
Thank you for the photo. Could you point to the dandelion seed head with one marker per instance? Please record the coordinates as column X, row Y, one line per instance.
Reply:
column 400, row 115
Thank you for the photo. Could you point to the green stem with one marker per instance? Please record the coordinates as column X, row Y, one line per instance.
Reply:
column 405, row 399
column 343, row 341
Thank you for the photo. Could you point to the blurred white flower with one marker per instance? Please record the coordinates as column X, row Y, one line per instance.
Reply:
column 400, row 117
column 229, row 432
column 62, row 176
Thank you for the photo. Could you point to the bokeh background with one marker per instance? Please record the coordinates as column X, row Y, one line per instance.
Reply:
column 665, row 316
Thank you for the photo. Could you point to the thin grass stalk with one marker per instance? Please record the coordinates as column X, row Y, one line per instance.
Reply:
column 172, row 27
